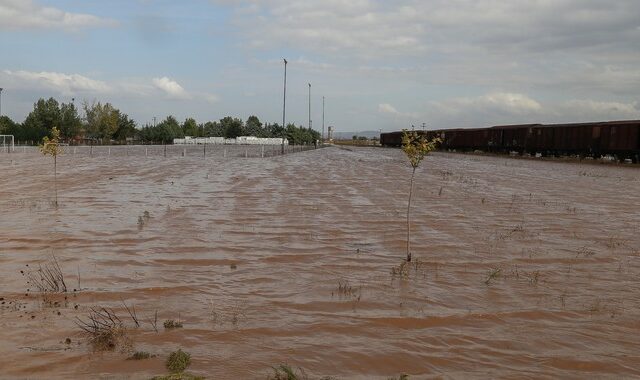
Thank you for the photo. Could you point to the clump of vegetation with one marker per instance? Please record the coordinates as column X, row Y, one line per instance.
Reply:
column 415, row 146
column 401, row 270
column 105, row 330
column 48, row 278
column 178, row 361
column 51, row 147
column 285, row 372
column 144, row 219
column 140, row 355
column 172, row 324
column 346, row 290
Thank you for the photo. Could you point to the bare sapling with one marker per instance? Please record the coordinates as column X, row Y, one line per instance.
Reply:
column 51, row 147
column 415, row 146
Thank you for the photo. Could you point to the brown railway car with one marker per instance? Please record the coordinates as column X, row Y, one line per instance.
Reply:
column 394, row 139
column 618, row 138
column 513, row 137
column 622, row 138
column 391, row 139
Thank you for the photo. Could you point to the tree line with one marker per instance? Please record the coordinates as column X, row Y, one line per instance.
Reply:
column 102, row 123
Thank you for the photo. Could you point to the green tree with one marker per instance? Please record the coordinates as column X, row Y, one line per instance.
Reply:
column 253, row 127
column 213, row 129
column 51, row 147
column 301, row 135
column 415, row 146
column 6, row 125
column 44, row 117
column 102, row 120
column 9, row 127
column 274, row 130
column 146, row 133
column 168, row 130
column 126, row 128
column 293, row 134
column 190, row 128
column 232, row 127
column 70, row 123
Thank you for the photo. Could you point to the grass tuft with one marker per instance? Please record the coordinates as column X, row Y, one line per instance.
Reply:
column 285, row 372
column 178, row 361
column 140, row 355
column 105, row 330
column 171, row 324
column 403, row 376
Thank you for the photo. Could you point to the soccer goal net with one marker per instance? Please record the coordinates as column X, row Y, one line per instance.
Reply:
column 7, row 144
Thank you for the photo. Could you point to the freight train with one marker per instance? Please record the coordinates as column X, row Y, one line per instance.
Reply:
column 620, row 139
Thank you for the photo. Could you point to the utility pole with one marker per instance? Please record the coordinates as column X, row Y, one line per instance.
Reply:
column 154, row 121
column 1, row 100
column 323, row 119
column 309, row 106
column 423, row 125
column 284, row 104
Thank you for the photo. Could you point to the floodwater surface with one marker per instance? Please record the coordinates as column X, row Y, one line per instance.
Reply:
column 522, row 268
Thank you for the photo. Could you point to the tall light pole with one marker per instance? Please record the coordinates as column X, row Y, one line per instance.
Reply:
column 284, row 103
column 309, row 106
column 323, row 119
column 1, row 100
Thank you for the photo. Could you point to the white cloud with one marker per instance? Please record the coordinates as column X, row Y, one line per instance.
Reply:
column 25, row 14
column 79, row 85
column 362, row 27
column 509, row 108
column 599, row 110
column 387, row 108
column 171, row 88
column 508, row 103
column 67, row 84
column 366, row 28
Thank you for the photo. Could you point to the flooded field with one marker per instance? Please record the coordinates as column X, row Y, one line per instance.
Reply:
column 521, row 268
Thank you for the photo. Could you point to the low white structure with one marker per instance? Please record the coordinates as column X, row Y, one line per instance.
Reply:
column 241, row 140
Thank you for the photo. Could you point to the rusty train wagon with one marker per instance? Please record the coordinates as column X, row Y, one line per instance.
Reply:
column 617, row 138
column 391, row 139
column 394, row 139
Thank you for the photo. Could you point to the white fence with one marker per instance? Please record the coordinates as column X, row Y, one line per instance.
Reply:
column 187, row 150
column 241, row 140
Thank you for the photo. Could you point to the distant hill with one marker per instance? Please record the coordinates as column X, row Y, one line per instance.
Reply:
column 349, row 135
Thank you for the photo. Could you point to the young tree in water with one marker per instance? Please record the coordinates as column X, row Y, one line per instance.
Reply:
column 415, row 146
column 51, row 147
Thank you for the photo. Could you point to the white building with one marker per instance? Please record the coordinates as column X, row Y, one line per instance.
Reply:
column 240, row 140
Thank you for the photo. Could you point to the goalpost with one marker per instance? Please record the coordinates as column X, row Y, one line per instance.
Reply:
column 8, row 144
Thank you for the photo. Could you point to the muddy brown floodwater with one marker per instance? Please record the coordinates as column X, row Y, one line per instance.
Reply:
column 523, row 268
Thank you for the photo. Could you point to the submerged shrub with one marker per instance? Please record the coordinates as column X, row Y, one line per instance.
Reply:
column 178, row 361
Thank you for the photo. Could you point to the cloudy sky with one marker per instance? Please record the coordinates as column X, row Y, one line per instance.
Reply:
column 380, row 64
